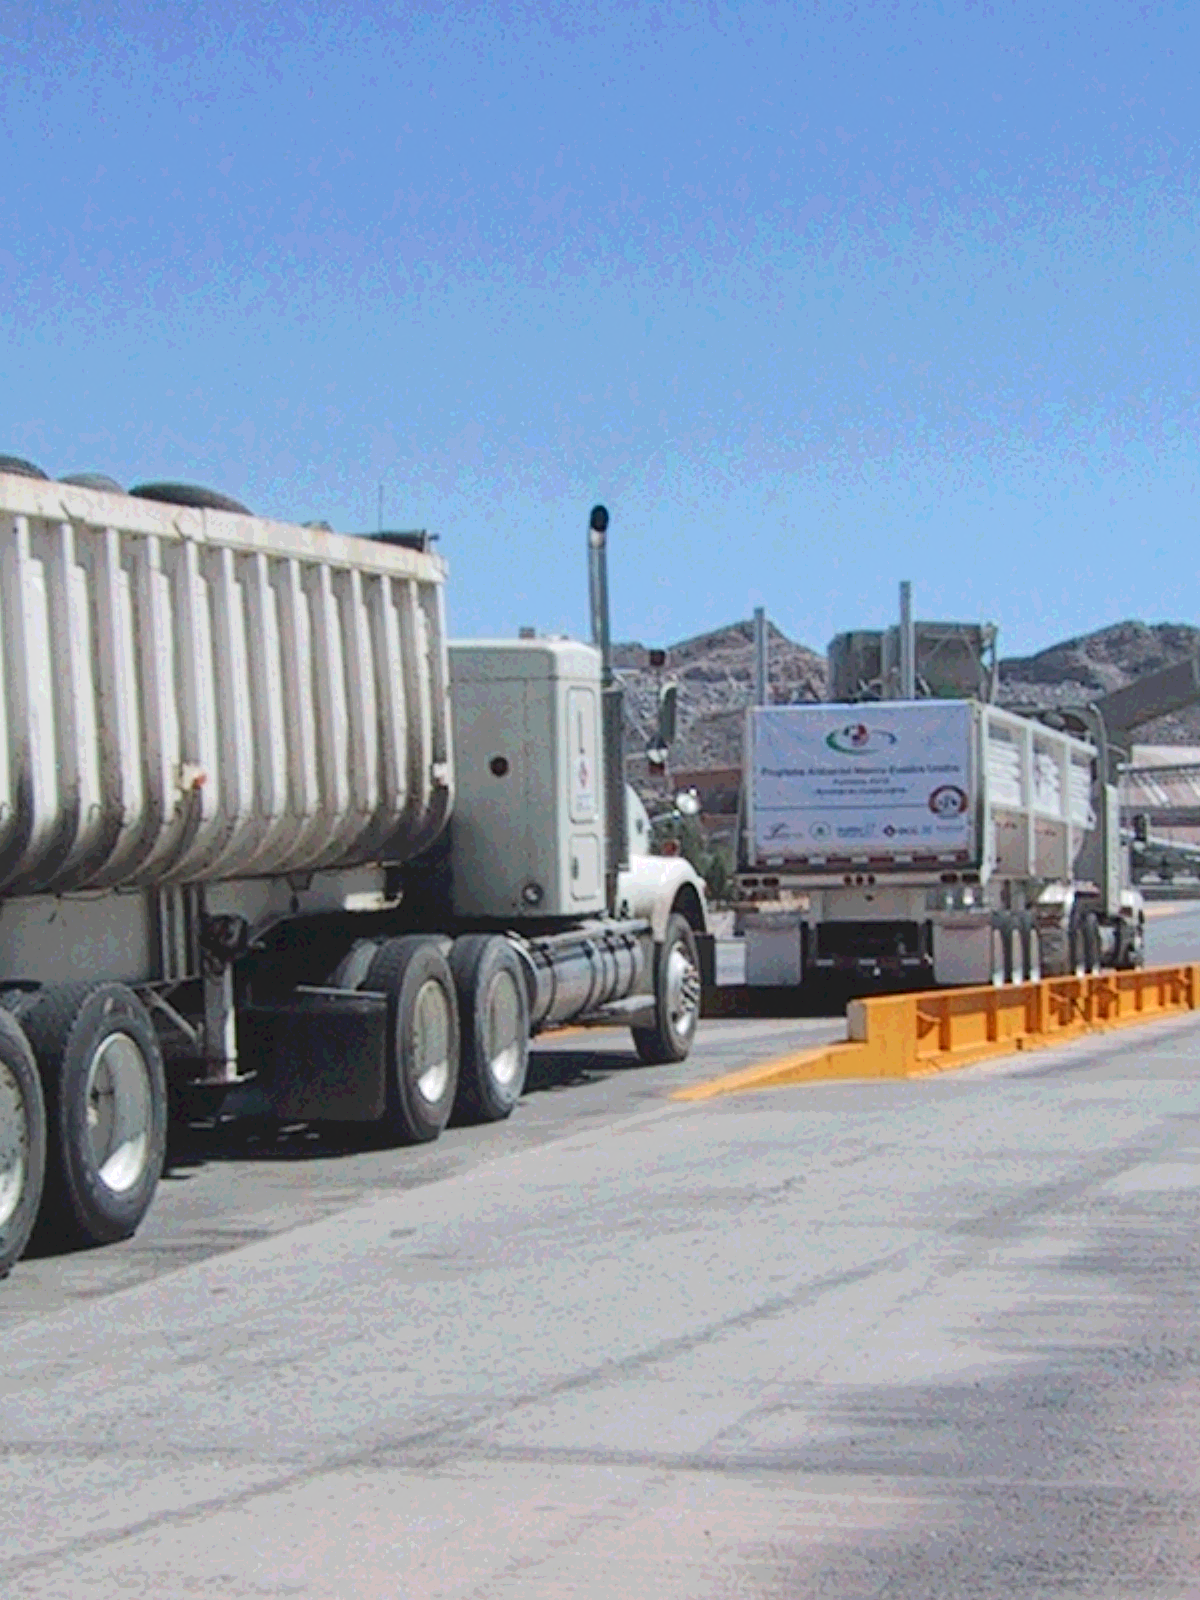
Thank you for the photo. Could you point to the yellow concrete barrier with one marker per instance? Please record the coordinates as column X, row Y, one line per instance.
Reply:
column 907, row 1035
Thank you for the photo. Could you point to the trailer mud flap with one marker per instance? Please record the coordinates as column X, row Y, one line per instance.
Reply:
column 706, row 951
column 321, row 1054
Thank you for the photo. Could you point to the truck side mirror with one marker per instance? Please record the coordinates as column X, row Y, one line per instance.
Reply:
column 1141, row 827
column 668, row 701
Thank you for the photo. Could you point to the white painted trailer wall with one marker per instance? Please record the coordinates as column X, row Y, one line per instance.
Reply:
column 190, row 696
column 836, row 788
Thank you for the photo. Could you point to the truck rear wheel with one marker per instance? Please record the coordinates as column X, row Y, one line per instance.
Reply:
column 22, row 1141
column 423, row 1037
column 1132, row 943
column 676, row 997
column 493, row 1005
column 1002, row 949
column 106, row 1106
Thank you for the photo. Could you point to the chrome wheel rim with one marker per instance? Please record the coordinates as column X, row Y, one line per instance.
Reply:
column 505, row 1031
column 683, row 990
column 14, row 1144
column 120, row 1112
column 431, row 1042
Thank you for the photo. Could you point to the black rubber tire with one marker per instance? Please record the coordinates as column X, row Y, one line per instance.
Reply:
column 20, row 468
column 352, row 969
column 485, row 968
column 400, row 970
column 189, row 494
column 19, row 1065
column 93, row 480
column 66, row 1025
column 671, row 1039
column 1085, row 943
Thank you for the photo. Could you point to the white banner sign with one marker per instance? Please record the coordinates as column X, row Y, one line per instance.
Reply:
column 850, row 780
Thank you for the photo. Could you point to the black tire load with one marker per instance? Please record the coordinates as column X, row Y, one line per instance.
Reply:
column 106, row 1110
column 493, row 1008
column 22, row 1141
column 189, row 494
column 93, row 480
column 423, row 1037
column 677, row 994
column 20, row 468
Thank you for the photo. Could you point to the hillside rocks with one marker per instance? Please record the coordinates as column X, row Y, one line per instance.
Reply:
column 1082, row 669
column 715, row 673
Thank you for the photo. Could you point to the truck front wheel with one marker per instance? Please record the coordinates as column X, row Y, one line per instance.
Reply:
column 22, row 1141
column 677, row 993
column 106, row 1105
column 493, row 1004
column 423, row 1037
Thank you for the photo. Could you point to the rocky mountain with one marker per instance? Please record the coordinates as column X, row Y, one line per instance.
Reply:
column 1081, row 669
column 715, row 673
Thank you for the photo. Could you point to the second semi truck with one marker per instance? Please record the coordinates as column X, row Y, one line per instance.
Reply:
column 929, row 842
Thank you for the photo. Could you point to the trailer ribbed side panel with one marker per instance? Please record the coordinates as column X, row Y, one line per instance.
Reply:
column 189, row 696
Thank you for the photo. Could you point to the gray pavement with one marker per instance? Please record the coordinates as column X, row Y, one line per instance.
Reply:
column 930, row 1338
column 232, row 1186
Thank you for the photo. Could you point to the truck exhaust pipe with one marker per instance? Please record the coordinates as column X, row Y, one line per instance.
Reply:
column 612, row 712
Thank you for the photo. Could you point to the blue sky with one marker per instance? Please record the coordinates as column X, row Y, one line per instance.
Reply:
column 815, row 297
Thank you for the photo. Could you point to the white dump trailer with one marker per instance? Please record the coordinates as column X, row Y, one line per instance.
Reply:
column 933, row 841
column 229, row 845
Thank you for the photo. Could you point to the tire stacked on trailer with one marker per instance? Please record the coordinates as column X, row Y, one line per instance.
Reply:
column 83, row 1116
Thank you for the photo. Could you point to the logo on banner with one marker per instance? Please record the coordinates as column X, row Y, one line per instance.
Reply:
column 857, row 739
column 948, row 800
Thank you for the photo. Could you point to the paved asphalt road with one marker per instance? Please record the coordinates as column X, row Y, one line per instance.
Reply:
column 913, row 1339
column 229, row 1189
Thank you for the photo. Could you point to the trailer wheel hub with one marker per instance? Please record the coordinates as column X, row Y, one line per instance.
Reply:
column 431, row 1042
column 505, row 1028
column 14, row 1144
column 120, row 1111
column 683, row 990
